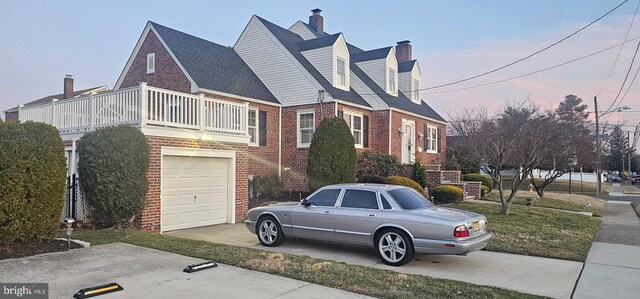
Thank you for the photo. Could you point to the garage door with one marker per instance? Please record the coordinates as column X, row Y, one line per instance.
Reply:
column 194, row 192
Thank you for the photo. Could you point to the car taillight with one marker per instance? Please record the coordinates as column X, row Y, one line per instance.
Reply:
column 461, row 231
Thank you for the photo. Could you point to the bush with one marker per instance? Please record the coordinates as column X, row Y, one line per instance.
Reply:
column 113, row 173
column 374, row 179
column 32, row 181
column 484, row 190
column 332, row 154
column 418, row 173
column 476, row 177
column 403, row 181
column 269, row 186
column 377, row 164
column 447, row 194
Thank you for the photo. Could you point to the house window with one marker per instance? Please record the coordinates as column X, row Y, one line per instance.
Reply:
column 340, row 67
column 151, row 63
column 306, row 127
column 416, row 90
column 354, row 122
column 392, row 80
column 253, row 127
column 432, row 139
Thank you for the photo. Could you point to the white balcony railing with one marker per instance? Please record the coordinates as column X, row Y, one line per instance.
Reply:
column 143, row 106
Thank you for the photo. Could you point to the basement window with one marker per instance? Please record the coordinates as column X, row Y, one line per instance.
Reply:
column 151, row 63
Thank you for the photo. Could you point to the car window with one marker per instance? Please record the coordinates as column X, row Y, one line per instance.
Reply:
column 325, row 198
column 409, row 199
column 385, row 202
column 360, row 199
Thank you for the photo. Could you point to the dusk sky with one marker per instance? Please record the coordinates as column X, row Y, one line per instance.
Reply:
column 92, row 40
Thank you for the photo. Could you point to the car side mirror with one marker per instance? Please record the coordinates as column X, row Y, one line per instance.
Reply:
column 304, row 202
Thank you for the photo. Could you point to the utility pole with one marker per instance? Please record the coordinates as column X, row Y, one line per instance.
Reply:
column 629, row 146
column 599, row 182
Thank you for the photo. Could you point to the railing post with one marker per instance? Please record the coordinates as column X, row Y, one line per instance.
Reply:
column 142, row 104
column 245, row 120
column 92, row 114
column 53, row 112
column 201, row 118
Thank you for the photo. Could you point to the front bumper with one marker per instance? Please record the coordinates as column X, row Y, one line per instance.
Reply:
column 251, row 226
column 451, row 246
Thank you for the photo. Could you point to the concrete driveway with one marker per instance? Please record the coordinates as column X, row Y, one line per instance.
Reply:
column 534, row 275
column 148, row 273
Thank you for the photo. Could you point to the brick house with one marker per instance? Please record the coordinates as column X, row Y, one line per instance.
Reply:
column 216, row 116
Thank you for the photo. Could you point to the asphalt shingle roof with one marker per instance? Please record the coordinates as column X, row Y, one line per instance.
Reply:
column 316, row 33
column 320, row 42
column 406, row 66
column 371, row 54
column 214, row 66
column 291, row 42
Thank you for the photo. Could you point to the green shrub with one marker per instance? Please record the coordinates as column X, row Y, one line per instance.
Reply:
column 113, row 173
column 484, row 190
column 377, row 164
column 270, row 186
column 403, row 181
column 374, row 179
column 332, row 154
column 418, row 173
column 447, row 194
column 476, row 177
column 32, row 181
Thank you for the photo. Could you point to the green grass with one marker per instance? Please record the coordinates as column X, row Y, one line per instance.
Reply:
column 537, row 232
column 547, row 202
column 359, row 279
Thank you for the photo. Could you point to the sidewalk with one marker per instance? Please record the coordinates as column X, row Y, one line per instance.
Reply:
column 612, row 268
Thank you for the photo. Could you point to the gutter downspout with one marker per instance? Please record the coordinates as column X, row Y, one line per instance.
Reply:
column 280, row 142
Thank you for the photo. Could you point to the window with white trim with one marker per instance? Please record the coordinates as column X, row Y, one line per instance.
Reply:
column 341, row 78
column 392, row 80
column 306, row 127
column 354, row 121
column 151, row 63
column 432, row 139
column 416, row 90
column 253, row 127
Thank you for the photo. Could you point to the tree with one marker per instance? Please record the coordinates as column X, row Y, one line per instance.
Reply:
column 418, row 173
column 617, row 149
column 332, row 154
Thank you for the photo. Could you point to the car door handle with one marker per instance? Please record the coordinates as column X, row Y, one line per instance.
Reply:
column 372, row 214
column 327, row 211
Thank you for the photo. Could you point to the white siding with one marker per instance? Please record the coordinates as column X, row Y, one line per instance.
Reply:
column 392, row 63
column 275, row 66
column 300, row 29
column 367, row 94
column 405, row 83
column 416, row 74
column 322, row 60
column 376, row 70
column 341, row 51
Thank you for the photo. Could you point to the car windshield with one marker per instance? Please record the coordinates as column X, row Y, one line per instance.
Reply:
column 409, row 199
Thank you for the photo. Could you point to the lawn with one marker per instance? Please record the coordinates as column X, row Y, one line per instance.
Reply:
column 359, row 279
column 630, row 189
column 570, row 202
column 537, row 232
column 562, row 186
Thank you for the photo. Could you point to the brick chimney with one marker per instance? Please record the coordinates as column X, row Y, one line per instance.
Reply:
column 403, row 51
column 316, row 21
column 68, row 87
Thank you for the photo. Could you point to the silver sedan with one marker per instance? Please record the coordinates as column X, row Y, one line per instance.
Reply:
column 397, row 221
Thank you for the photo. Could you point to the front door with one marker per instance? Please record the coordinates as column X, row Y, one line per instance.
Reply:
column 408, row 141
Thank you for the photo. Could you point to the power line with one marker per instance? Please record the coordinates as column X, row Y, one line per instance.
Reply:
column 619, row 51
column 625, row 78
column 528, row 56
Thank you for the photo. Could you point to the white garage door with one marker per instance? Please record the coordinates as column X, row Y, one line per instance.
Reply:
column 194, row 192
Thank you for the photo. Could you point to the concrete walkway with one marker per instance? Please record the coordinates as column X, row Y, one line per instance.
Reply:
column 149, row 273
column 612, row 269
column 616, row 190
column 534, row 275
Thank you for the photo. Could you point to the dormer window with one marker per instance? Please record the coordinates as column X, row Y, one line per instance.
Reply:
column 416, row 90
column 151, row 63
column 392, row 80
column 341, row 78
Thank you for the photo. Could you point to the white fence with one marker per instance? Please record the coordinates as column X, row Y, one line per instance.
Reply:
column 141, row 105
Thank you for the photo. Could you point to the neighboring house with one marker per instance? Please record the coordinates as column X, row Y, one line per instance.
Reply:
column 217, row 116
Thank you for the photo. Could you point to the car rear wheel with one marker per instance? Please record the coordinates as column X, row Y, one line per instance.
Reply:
column 394, row 247
column 269, row 232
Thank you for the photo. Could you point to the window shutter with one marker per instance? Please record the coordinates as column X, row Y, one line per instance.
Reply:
column 438, row 141
column 365, row 130
column 340, row 114
column 425, row 138
column 262, row 120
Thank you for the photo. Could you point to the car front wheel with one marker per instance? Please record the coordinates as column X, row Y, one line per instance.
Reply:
column 394, row 247
column 269, row 232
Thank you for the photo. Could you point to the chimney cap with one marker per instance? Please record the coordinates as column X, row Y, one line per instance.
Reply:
column 316, row 11
column 402, row 42
column 68, row 76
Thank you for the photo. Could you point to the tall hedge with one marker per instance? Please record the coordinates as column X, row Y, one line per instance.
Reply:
column 377, row 164
column 113, row 173
column 32, row 181
column 332, row 154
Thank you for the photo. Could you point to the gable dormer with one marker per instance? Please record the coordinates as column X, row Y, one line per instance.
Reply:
column 408, row 72
column 381, row 66
column 330, row 56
